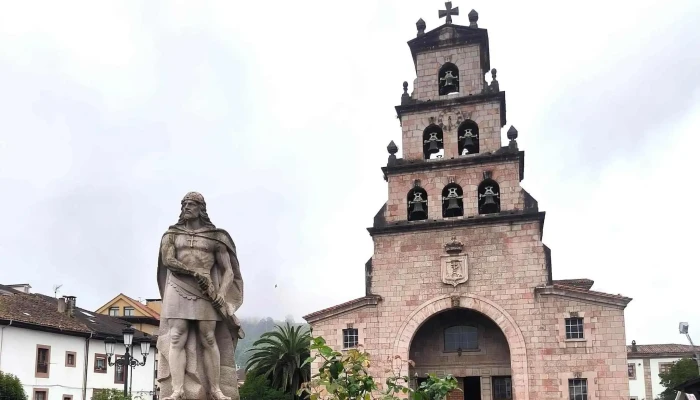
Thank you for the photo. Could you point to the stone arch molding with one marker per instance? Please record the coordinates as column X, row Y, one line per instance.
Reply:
column 515, row 338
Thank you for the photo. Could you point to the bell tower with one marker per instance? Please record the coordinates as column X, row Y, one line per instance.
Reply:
column 454, row 166
column 460, row 282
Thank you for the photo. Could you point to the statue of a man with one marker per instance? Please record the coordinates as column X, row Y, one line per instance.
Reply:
column 201, row 286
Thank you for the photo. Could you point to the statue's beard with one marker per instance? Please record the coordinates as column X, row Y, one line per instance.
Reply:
column 202, row 216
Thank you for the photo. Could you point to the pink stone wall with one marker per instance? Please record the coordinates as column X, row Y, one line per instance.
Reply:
column 486, row 115
column 506, row 174
column 506, row 263
column 466, row 58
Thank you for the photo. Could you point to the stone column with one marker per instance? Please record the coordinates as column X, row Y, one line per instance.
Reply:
column 485, row 388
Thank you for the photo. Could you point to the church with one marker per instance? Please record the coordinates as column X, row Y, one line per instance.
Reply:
column 460, row 281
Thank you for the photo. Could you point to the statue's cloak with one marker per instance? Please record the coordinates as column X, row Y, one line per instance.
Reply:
column 196, row 383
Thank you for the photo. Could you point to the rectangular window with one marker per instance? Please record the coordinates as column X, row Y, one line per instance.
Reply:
column 43, row 359
column 118, row 370
column 67, row 397
column 664, row 368
column 70, row 359
column 574, row 328
column 41, row 394
column 631, row 371
column 128, row 311
column 350, row 338
column 461, row 338
column 578, row 389
column 100, row 364
column 502, row 388
column 114, row 311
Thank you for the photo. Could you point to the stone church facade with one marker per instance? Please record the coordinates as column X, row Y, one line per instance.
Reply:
column 460, row 281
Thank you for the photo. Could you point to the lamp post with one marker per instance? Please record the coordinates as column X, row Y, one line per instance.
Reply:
column 127, row 361
column 683, row 330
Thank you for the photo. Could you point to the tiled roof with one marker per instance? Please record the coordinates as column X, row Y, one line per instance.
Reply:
column 582, row 283
column 644, row 349
column 583, row 290
column 348, row 305
column 39, row 311
column 144, row 309
column 34, row 309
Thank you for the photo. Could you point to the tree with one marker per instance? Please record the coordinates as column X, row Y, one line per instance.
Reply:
column 681, row 371
column 11, row 388
column 279, row 356
column 257, row 387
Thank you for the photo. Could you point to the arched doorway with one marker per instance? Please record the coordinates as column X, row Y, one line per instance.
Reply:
column 424, row 332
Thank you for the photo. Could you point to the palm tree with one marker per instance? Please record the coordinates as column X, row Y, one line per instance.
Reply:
column 278, row 356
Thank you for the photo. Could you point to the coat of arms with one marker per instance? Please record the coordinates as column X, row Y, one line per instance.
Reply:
column 454, row 265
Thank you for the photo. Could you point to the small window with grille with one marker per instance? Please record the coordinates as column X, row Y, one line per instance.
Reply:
column 574, row 328
column 350, row 338
column 461, row 338
column 502, row 388
column 578, row 389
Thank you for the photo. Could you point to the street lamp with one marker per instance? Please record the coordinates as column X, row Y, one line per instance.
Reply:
column 683, row 330
column 127, row 360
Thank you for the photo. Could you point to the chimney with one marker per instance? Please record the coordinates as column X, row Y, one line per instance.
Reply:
column 70, row 305
column 62, row 305
column 634, row 346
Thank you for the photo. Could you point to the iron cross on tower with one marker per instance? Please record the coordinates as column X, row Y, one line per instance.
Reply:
column 449, row 12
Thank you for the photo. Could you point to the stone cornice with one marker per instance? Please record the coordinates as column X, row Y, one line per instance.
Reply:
column 583, row 295
column 502, row 155
column 441, row 224
column 418, row 105
column 366, row 301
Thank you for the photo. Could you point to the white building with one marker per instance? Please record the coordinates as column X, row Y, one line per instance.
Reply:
column 646, row 361
column 57, row 350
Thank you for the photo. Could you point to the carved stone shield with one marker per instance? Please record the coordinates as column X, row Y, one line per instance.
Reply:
column 454, row 269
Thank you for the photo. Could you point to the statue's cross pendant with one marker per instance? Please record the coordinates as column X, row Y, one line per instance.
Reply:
column 191, row 240
column 449, row 12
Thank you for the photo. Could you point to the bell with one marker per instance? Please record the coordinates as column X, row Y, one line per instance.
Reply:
column 488, row 200
column 453, row 209
column 418, row 211
column 433, row 147
column 468, row 141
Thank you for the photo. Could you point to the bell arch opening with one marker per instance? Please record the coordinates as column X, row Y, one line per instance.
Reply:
column 452, row 201
column 468, row 138
column 421, row 339
column 448, row 79
column 433, row 146
column 417, row 203
column 489, row 197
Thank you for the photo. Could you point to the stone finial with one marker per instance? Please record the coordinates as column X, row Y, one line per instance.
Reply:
column 512, row 135
column 473, row 18
column 494, row 88
column 405, row 97
column 392, row 149
column 420, row 26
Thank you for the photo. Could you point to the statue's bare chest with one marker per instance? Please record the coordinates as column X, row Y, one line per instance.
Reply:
column 194, row 244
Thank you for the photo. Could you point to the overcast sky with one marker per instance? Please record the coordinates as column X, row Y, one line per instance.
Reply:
column 279, row 112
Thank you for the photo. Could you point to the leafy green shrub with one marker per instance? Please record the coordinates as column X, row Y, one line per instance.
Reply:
column 346, row 377
column 11, row 388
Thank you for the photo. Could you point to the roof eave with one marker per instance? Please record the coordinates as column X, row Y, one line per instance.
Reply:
column 585, row 296
column 366, row 301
